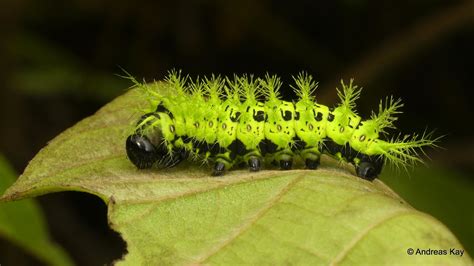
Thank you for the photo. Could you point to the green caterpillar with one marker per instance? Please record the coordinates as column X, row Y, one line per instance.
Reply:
column 224, row 120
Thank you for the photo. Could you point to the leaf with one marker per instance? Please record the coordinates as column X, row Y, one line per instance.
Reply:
column 182, row 215
column 23, row 224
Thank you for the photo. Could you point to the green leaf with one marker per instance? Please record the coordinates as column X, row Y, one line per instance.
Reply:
column 183, row 216
column 23, row 224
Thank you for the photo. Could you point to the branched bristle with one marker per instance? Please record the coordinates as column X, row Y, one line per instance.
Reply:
column 232, row 89
column 129, row 76
column 305, row 86
column 197, row 88
column 177, row 81
column 349, row 95
column 404, row 152
column 213, row 87
column 271, row 87
column 153, row 95
column 386, row 115
column 249, row 88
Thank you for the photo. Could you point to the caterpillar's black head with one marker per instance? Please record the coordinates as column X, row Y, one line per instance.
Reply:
column 141, row 152
column 144, row 153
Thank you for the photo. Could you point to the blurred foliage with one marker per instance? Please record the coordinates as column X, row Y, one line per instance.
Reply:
column 23, row 224
column 50, row 70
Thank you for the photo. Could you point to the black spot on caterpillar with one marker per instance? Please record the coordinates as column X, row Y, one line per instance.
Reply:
column 221, row 120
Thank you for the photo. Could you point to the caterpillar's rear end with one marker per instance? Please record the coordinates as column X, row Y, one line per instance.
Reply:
column 225, row 121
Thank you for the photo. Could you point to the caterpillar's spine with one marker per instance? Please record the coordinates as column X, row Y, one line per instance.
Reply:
column 222, row 119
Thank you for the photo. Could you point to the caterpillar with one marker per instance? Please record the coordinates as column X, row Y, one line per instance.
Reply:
column 244, row 120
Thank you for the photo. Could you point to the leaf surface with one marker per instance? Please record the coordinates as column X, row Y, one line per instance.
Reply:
column 183, row 216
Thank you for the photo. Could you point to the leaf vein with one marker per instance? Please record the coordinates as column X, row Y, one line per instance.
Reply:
column 353, row 243
column 253, row 219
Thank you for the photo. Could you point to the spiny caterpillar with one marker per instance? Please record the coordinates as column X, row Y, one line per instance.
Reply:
column 225, row 121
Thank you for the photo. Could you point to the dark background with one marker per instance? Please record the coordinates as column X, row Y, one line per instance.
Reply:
column 58, row 61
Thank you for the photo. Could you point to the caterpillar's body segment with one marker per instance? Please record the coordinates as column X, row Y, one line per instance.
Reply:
column 223, row 120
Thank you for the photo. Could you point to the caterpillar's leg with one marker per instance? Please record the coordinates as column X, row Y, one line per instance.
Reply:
column 286, row 164
column 311, row 157
column 285, row 158
column 366, row 170
column 368, row 167
column 219, row 168
column 254, row 160
column 254, row 164
column 312, row 164
column 223, row 162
